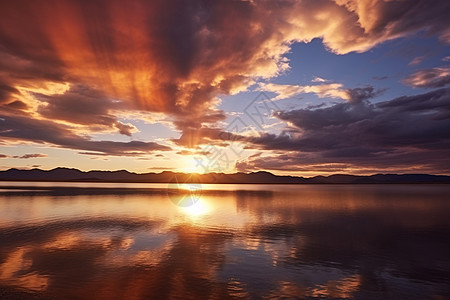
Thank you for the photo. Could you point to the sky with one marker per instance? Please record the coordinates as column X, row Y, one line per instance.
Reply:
column 311, row 87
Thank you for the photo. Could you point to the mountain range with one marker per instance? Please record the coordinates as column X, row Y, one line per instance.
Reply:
column 261, row 177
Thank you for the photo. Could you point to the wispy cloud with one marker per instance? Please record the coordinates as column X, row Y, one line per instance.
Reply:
column 429, row 78
column 22, row 128
column 330, row 90
column 319, row 79
column 417, row 60
column 25, row 156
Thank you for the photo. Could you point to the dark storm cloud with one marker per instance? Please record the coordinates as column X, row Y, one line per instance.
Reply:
column 402, row 17
column 19, row 128
column 85, row 106
column 406, row 131
column 79, row 105
column 357, row 95
column 8, row 98
column 15, row 105
column 423, row 161
column 5, row 92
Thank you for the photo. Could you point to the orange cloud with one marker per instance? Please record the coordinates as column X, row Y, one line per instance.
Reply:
column 429, row 78
column 176, row 57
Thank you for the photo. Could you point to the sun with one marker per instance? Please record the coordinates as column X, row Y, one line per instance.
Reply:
column 193, row 164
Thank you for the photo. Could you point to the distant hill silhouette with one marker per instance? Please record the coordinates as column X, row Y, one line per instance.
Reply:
column 66, row 174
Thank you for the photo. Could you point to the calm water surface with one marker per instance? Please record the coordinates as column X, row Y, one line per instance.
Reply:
column 129, row 241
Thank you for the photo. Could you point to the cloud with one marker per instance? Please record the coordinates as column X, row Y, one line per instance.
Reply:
column 126, row 129
column 380, row 77
column 319, row 79
column 357, row 95
column 429, row 78
column 5, row 92
column 83, row 106
column 330, row 90
column 406, row 133
column 204, row 135
column 25, row 156
column 33, row 155
column 417, row 60
column 176, row 57
column 9, row 99
column 16, row 105
column 187, row 152
column 161, row 168
column 22, row 128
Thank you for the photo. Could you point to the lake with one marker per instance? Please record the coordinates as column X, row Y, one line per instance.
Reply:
column 143, row 241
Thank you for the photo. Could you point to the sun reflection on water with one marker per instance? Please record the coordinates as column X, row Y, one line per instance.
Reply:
column 198, row 209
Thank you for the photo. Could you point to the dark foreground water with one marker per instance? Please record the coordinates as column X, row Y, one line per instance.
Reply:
column 119, row 241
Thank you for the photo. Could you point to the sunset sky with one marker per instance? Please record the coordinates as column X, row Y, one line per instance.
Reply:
column 302, row 88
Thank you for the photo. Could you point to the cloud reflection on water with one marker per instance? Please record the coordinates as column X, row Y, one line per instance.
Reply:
column 308, row 242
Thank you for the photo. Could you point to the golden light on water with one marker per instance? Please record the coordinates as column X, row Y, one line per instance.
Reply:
column 189, row 187
column 198, row 209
